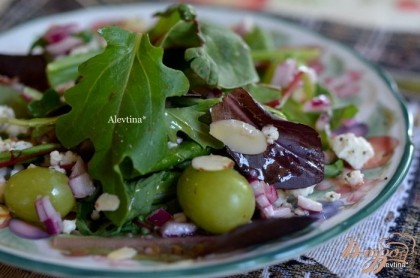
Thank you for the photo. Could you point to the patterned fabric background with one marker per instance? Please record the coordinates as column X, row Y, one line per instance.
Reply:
column 399, row 53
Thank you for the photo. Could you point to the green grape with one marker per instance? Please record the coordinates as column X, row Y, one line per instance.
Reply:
column 216, row 201
column 23, row 188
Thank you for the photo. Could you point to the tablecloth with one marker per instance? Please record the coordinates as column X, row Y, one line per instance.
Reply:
column 397, row 50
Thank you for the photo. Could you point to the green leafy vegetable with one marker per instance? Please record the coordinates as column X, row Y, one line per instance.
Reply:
column 334, row 169
column 13, row 157
column 174, row 157
column 264, row 93
column 180, row 119
column 144, row 191
column 176, row 27
column 144, row 195
column 44, row 107
column 223, row 61
column 215, row 55
column 13, row 99
column 65, row 70
column 293, row 111
column 342, row 113
column 259, row 39
column 127, row 81
column 281, row 54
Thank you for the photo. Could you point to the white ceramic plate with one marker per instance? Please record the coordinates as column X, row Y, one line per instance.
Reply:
column 381, row 107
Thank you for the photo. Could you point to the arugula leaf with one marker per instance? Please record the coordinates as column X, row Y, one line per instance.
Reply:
column 144, row 191
column 179, row 119
column 127, row 80
column 223, row 61
column 144, row 194
column 174, row 157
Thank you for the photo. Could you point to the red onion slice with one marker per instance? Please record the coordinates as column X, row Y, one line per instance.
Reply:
column 26, row 230
column 48, row 215
column 285, row 73
column 78, row 168
column 159, row 217
column 317, row 104
column 265, row 198
column 80, row 182
column 64, row 46
column 57, row 33
column 82, row 186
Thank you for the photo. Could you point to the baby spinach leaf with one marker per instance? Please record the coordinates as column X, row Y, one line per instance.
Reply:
column 259, row 39
column 224, row 60
column 216, row 55
column 126, row 81
column 176, row 27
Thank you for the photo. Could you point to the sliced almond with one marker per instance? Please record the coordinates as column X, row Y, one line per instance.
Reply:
column 212, row 163
column 122, row 253
column 239, row 136
column 107, row 202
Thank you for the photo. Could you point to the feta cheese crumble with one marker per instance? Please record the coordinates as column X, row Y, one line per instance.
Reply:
column 11, row 130
column 69, row 226
column 271, row 133
column 353, row 178
column 332, row 196
column 13, row 145
column 356, row 150
column 57, row 158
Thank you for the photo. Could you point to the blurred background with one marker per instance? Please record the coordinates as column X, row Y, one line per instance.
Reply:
column 386, row 32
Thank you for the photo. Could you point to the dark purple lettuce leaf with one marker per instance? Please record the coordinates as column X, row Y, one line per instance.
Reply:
column 295, row 160
column 29, row 69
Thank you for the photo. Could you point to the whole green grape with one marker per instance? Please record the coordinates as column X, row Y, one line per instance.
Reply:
column 216, row 201
column 23, row 188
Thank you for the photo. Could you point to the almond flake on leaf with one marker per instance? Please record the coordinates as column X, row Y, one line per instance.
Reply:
column 212, row 163
column 294, row 160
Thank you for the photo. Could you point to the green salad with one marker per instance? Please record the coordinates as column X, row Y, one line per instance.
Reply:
column 182, row 131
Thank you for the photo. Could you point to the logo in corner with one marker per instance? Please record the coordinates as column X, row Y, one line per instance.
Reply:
column 392, row 251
